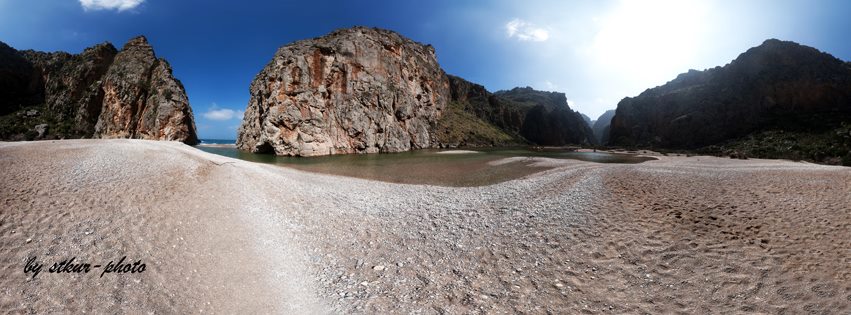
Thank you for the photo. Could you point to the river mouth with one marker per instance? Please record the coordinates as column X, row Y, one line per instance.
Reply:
column 457, row 168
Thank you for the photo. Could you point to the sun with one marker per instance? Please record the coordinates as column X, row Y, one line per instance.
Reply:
column 650, row 41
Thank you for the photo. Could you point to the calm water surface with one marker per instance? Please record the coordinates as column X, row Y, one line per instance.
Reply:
column 427, row 166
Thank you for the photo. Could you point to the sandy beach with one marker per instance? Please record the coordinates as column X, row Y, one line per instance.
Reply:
column 221, row 235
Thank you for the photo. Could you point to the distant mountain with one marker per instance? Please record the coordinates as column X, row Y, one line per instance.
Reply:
column 101, row 92
column 586, row 119
column 601, row 127
column 777, row 87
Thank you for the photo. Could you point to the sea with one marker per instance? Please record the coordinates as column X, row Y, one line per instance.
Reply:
column 217, row 141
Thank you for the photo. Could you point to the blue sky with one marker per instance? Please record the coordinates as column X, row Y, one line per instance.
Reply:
column 597, row 52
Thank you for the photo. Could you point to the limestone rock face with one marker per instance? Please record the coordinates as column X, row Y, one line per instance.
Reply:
column 775, row 85
column 142, row 99
column 100, row 92
column 357, row 90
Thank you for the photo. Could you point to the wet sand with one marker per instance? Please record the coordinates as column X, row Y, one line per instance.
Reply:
column 675, row 235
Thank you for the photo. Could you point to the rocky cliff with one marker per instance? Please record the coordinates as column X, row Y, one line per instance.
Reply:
column 777, row 85
column 366, row 90
column 523, row 115
column 100, row 93
column 469, row 119
column 543, row 118
column 358, row 90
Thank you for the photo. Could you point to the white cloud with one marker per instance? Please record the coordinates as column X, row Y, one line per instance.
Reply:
column 549, row 86
column 215, row 113
column 120, row 5
column 526, row 31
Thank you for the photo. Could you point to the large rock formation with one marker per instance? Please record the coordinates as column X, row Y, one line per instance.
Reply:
column 524, row 115
column 366, row 90
column 100, row 93
column 775, row 85
column 357, row 90
column 601, row 127
column 544, row 118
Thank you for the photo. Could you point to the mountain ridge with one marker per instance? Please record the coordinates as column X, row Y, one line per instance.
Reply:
column 778, row 85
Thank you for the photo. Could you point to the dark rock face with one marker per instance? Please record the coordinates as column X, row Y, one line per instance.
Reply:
column 101, row 93
column 18, row 82
column 544, row 117
column 527, row 115
column 777, row 83
column 601, row 127
column 357, row 90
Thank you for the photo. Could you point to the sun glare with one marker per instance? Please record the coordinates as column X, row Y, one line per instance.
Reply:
column 649, row 41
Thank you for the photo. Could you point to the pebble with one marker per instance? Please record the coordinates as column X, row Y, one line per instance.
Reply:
column 29, row 240
column 378, row 268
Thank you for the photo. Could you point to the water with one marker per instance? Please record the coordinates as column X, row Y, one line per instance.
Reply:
column 426, row 166
column 217, row 141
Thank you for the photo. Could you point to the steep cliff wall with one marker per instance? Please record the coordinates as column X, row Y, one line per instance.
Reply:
column 358, row 90
column 100, row 92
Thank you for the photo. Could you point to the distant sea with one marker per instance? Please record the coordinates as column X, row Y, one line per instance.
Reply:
column 217, row 141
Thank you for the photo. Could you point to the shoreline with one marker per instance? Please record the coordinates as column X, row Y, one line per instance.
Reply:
column 650, row 152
